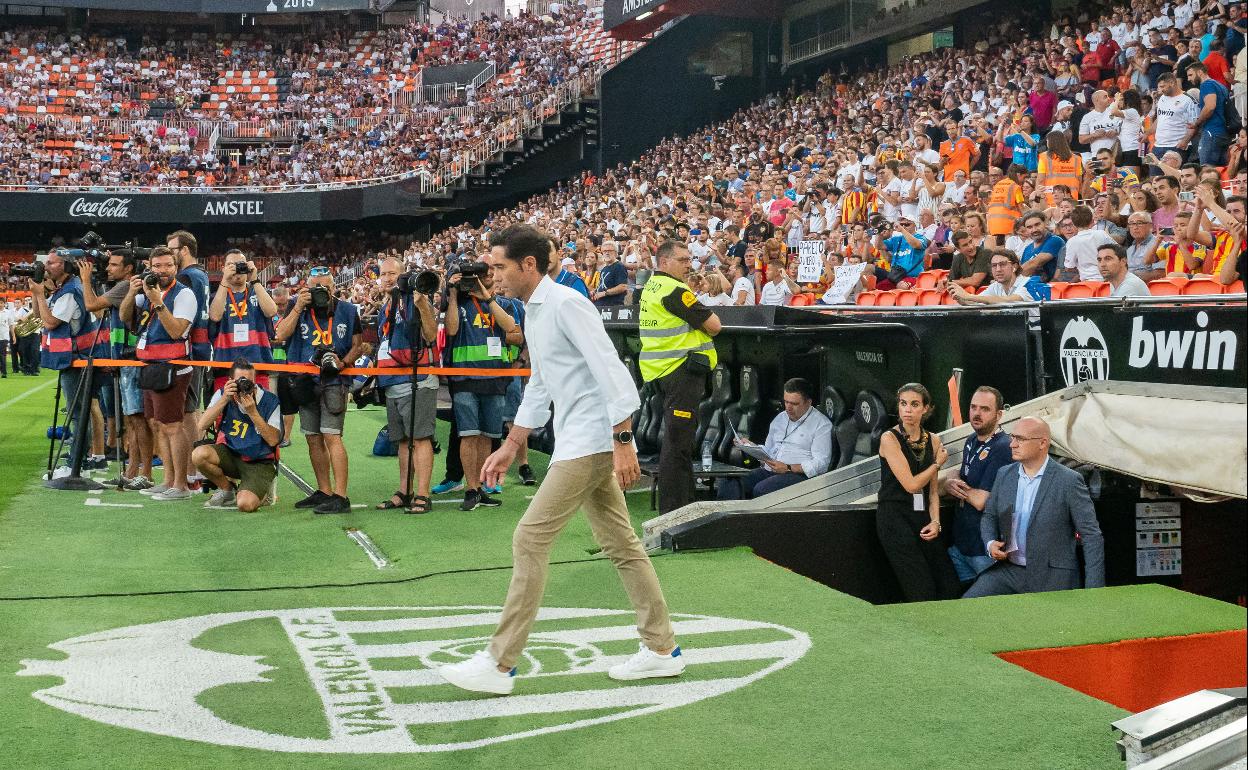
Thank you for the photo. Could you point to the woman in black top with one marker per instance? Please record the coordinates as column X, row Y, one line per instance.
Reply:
column 907, row 516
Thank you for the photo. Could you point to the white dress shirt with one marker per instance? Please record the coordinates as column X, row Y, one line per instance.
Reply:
column 574, row 364
column 806, row 441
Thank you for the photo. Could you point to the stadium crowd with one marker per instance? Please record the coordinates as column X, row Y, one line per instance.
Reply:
column 1041, row 141
column 51, row 80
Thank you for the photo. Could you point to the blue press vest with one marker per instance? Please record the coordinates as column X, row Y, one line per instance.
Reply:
column 197, row 280
column 470, row 346
column 400, row 352
column 160, row 346
column 60, row 347
column 257, row 349
column 301, row 345
column 236, row 430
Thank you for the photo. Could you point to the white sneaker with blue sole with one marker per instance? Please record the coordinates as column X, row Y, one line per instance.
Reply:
column 648, row 664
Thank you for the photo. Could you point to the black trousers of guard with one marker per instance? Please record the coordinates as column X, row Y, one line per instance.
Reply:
column 682, row 390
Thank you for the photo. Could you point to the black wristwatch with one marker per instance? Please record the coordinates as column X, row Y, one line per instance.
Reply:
column 623, row 437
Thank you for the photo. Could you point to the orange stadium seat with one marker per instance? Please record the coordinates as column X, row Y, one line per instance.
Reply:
column 927, row 280
column 886, row 299
column 1166, row 287
column 929, row 297
column 1056, row 288
column 866, row 299
column 907, row 298
column 1202, row 286
column 1235, row 288
column 947, row 299
column 799, row 300
column 1080, row 290
column 1100, row 288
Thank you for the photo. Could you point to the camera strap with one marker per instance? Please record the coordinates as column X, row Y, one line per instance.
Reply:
column 239, row 307
column 327, row 334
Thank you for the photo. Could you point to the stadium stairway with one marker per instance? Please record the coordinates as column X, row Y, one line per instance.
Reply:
column 576, row 122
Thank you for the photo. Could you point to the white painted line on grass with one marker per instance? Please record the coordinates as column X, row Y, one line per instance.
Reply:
column 26, row 393
column 96, row 503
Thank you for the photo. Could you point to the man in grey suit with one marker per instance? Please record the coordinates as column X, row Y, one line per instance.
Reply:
column 1034, row 510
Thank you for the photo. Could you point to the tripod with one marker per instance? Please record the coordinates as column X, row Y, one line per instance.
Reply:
column 81, row 403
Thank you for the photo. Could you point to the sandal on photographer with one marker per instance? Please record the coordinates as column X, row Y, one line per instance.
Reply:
column 420, row 504
column 390, row 505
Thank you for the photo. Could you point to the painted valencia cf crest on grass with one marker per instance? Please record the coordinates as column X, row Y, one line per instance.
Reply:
column 362, row 680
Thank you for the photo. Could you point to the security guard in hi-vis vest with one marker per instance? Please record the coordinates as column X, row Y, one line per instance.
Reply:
column 677, row 354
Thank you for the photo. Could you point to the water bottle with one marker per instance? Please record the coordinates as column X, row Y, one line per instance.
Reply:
column 706, row 455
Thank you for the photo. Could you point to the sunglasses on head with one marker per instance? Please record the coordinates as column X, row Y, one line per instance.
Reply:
column 318, row 271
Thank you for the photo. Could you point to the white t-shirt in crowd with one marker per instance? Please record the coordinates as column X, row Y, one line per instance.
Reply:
column 775, row 293
column 1099, row 121
column 1129, row 134
column 1174, row 116
column 1081, row 253
column 908, row 209
column 955, row 194
column 746, row 285
column 718, row 300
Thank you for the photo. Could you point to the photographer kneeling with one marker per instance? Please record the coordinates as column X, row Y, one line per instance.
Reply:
column 249, row 428
column 323, row 331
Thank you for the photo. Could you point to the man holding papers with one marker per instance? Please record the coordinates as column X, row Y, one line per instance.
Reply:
column 798, row 447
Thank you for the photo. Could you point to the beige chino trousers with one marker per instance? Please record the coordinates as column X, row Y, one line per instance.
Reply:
column 587, row 482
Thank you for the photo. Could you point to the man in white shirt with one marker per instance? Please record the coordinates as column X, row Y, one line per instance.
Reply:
column 1099, row 128
column 1175, row 118
column 1111, row 260
column 799, row 443
column 903, row 191
column 1082, row 247
column 575, row 365
column 955, row 191
column 779, row 286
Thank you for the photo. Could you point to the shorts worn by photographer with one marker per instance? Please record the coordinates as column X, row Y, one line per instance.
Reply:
column 242, row 463
column 323, row 331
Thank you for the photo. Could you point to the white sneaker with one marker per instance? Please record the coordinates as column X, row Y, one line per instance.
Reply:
column 222, row 498
column 647, row 664
column 479, row 674
column 172, row 495
column 159, row 489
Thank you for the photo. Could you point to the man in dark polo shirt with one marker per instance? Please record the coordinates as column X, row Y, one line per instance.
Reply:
column 987, row 450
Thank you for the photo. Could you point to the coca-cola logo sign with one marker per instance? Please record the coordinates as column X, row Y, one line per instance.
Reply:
column 108, row 208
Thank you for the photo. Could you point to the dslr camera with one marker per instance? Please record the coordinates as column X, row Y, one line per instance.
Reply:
column 419, row 281
column 151, row 280
column 472, row 272
column 244, row 386
column 324, row 357
column 243, row 268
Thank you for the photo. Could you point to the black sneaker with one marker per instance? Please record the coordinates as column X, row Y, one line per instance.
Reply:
column 489, row 502
column 526, row 475
column 334, row 504
column 472, row 499
column 313, row 500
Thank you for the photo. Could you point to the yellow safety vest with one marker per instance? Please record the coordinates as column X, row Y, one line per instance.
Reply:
column 666, row 340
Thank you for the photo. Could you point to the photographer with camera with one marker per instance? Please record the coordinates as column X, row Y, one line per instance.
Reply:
column 123, row 340
column 323, row 331
column 280, row 383
column 70, row 332
column 165, row 310
column 191, row 274
column 479, row 326
column 411, row 409
column 242, row 464
column 240, row 317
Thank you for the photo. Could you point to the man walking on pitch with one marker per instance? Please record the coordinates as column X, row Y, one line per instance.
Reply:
column 594, row 461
